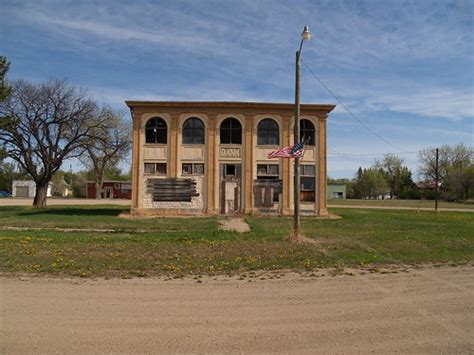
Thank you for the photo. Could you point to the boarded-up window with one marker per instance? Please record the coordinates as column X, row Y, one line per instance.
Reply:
column 175, row 189
column 265, row 191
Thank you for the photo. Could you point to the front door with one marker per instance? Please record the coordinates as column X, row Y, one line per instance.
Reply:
column 230, row 180
column 108, row 192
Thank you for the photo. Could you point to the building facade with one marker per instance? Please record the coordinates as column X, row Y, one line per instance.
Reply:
column 110, row 189
column 211, row 158
column 27, row 189
column 337, row 191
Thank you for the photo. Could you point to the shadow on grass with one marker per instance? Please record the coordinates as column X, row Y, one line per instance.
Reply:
column 79, row 211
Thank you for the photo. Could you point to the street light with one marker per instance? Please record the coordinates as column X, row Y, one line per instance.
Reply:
column 305, row 36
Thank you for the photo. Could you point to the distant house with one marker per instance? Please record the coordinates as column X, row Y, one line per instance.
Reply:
column 427, row 185
column 111, row 189
column 427, row 188
column 336, row 191
column 62, row 189
column 27, row 189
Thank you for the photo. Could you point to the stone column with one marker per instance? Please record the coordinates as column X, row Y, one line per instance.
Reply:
column 322, row 168
column 212, row 187
column 173, row 157
column 248, row 148
column 136, row 181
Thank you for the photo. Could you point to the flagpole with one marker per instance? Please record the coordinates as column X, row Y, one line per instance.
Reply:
column 306, row 35
column 296, row 134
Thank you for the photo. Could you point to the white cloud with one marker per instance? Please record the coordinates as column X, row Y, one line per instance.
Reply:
column 447, row 103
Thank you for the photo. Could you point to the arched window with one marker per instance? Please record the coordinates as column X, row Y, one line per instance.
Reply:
column 231, row 131
column 268, row 132
column 193, row 131
column 156, row 131
column 307, row 131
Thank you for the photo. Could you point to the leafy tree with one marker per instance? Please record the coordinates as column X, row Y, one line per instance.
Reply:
column 454, row 169
column 8, row 172
column 398, row 176
column 358, row 185
column 41, row 125
column 110, row 145
column 5, row 90
column 374, row 183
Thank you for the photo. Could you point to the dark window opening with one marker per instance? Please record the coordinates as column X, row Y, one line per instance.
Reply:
column 229, row 170
column 307, row 183
column 307, row 131
column 193, row 131
column 155, row 168
column 156, row 131
column 268, row 132
column 231, row 131
column 193, row 169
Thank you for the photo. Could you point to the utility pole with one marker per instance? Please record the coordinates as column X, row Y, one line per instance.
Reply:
column 436, row 181
column 306, row 35
column 296, row 134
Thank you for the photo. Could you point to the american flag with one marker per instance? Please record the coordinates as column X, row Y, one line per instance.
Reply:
column 288, row 152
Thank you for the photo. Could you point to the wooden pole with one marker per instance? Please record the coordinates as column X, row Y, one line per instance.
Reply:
column 296, row 133
column 436, row 180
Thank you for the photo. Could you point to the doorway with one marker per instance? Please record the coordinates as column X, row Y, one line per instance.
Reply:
column 230, row 188
column 108, row 193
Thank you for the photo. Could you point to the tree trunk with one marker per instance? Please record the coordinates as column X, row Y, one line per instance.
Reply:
column 98, row 190
column 41, row 194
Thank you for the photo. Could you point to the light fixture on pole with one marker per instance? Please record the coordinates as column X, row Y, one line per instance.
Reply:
column 305, row 36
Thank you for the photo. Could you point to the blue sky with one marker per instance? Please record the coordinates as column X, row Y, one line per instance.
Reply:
column 405, row 68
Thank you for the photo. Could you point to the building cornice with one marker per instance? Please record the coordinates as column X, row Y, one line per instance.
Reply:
column 228, row 105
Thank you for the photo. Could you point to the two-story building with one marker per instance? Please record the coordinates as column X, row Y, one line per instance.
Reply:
column 211, row 158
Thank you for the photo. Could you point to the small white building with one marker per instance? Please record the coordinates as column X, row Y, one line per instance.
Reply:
column 27, row 189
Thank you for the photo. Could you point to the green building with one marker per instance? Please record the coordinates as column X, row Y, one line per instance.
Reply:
column 336, row 191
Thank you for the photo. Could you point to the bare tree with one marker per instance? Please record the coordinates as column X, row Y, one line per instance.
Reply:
column 41, row 125
column 454, row 168
column 111, row 144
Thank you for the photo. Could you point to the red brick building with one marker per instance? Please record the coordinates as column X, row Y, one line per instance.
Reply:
column 111, row 189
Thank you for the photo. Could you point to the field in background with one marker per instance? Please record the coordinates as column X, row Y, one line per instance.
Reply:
column 402, row 203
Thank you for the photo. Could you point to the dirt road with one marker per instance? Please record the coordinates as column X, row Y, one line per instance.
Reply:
column 429, row 310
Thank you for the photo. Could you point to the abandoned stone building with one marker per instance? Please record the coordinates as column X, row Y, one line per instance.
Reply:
column 211, row 158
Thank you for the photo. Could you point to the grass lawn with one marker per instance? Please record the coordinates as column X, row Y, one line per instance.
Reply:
column 194, row 246
column 402, row 203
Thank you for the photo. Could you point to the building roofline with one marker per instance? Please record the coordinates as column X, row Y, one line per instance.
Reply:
column 229, row 104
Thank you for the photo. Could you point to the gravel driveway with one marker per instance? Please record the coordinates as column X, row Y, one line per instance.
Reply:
column 424, row 311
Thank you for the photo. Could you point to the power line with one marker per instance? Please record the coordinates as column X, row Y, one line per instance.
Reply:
column 348, row 157
column 349, row 111
column 377, row 154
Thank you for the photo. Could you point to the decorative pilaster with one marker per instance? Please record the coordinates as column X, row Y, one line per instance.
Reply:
column 211, row 166
column 322, row 168
column 173, row 157
column 249, row 163
column 286, row 171
column 136, row 184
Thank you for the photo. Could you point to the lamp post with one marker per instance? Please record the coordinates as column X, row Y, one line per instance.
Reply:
column 306, row 35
